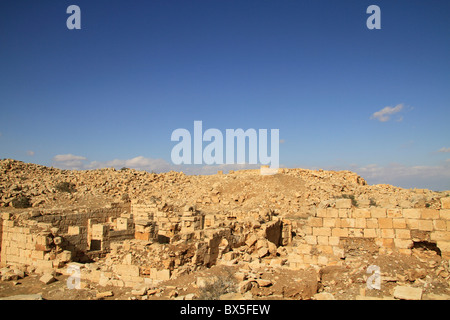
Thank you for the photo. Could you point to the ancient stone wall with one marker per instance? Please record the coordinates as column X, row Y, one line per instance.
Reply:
column 47, row 241
column 329, row 232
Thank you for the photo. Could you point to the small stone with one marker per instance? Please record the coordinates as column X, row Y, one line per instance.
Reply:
column 245, row 286
column 263, row 252
column 139, row 291
column 323, row 296
column 105, row 294
column 263, row 282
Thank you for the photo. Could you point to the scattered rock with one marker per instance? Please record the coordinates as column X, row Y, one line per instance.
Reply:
column 323, row 296
column 47, row 278
column 105, row 294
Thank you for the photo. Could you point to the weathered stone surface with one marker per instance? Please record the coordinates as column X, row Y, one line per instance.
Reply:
column 47, row 278
column 105, row 294
column 24, row 297
column 407, row 293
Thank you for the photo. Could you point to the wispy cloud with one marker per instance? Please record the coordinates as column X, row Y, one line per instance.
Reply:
column 385, row 114
column 445, row 150
column 30, row 153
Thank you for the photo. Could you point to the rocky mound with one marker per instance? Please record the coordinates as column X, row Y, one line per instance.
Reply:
column 292, row 191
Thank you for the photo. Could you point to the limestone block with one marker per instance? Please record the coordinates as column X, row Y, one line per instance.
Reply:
column 370, row 233
column 6, row 216
column 322, row 240
column 387, row 243
column 310, row 239
column 403, row 243
column 344, row 213
column 343, row 203
column 394, row 213
column 444, row 246
column 387, row 233
column 361, row 213
column 407, row 293
column 372, row 223
column 440, row 236
column 355, row 232
column 425, row 225
column 411, row 213
column 412, row 223
column 322, row 260
column 99, row 231
column 445, row 214
column 429, row 214
column 251, row 240
column 310, row 259
column 315, row 222
column 47, row 278
column 325, row 249
column 347, row 223
column 360, row 223
column 333, row 241
column 339, row 232
column 378, row 212
column 162, row 275
column 399, row 223
column 332, row 213
column 126, row 270
column 403, row 234
column 440, row 225
column 329, row 222
column 321, row 212
column 321, row 231
column 65, row 256
column 445, row 203
column 385, row 223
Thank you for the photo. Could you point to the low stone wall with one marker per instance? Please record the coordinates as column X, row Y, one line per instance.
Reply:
column 326, row 234
column 47, row 241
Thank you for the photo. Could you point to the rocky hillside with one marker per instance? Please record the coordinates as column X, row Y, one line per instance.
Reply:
column 291, row 192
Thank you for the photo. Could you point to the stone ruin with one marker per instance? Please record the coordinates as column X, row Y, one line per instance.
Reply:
column 146, row 242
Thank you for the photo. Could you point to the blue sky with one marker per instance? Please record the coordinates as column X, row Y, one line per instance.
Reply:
column 111, row 93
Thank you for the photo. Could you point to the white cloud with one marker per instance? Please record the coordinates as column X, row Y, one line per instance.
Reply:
column 139, row 163
column 67, row 157
column 30, row 153
column 69, row 161
column 445, row 150
column 435, row 177
column 385, row 114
